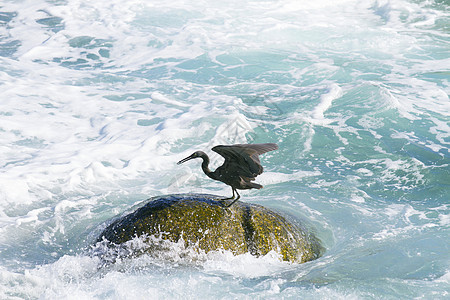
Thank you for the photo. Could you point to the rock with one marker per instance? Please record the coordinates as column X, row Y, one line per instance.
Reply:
column 203, row 222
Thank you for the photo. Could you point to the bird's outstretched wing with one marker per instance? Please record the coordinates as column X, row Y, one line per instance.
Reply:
column 244, row 157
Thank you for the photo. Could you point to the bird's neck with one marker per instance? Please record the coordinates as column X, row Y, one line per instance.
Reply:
column 205, row 167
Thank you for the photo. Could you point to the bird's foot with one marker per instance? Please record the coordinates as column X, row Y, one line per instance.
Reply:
column 223, row 202
column 232, row 202
column 229, row 204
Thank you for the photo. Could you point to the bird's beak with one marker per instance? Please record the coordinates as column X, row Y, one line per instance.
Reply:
column 185, row 159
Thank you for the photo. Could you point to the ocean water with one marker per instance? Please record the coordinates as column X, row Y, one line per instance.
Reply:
column 100, row 99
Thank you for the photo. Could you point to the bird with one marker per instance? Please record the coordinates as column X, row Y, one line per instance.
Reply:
column 240, row 167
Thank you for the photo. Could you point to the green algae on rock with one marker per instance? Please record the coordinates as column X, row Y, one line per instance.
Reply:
column 202, row 222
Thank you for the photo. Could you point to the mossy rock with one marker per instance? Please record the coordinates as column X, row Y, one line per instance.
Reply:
column 203, row 222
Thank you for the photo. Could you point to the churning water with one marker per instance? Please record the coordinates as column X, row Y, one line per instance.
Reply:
column 100, row 99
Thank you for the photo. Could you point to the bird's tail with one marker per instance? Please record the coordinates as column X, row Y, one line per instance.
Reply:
column 254, row 185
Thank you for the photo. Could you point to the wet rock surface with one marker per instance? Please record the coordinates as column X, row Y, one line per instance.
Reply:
column 202, row 222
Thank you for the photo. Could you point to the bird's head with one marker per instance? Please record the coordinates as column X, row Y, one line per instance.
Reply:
column 196, row 154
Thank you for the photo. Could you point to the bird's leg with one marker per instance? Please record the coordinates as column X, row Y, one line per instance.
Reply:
column 238, row 196
column 230, row 198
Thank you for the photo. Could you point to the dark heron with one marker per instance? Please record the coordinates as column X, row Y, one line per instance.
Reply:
column 240, row 168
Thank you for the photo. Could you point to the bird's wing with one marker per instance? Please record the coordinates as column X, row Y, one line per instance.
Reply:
column 260, row 148
column 245, row 156
column 257, row 149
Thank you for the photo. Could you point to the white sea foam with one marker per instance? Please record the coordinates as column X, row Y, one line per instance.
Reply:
column 160, row 97
column 326, row 100
column 244, row 265
column 274, row 177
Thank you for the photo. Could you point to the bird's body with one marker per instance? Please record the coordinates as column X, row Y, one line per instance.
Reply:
column 241, row 165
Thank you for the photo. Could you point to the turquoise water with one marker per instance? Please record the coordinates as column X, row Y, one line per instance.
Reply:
column 100, row 99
